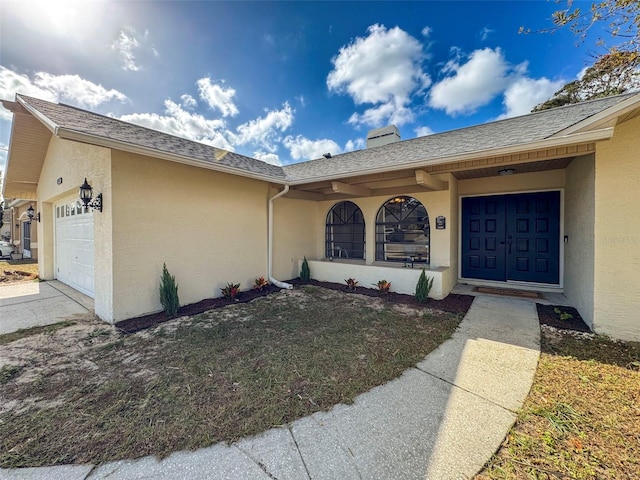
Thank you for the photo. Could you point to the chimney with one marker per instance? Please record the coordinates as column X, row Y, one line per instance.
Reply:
column 383, row 136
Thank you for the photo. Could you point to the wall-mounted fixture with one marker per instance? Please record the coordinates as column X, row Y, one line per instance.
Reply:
column 31, row 214
column 507, row 171
column 86, row 193
column 441, row 223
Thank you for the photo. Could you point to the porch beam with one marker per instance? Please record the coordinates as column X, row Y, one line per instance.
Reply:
column 303, row 195
column 355, row 190
column 429, row 182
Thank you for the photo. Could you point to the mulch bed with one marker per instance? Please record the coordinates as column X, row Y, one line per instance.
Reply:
column 548, row 316
column 453, row 303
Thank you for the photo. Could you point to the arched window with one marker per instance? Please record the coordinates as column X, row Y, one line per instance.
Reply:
column 402, row 231
column 344, row 232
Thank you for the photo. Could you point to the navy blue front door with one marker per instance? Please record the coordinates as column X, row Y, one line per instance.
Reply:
column 512, row 237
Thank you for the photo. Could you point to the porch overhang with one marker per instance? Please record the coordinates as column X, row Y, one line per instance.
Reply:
column 548, row 154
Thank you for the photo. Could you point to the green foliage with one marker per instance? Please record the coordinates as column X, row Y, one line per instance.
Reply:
column 169, row 292
column 305, row 272
column 1, row 208
column 231, row 290
column 8, row 373
column 423, row 287
column 562, row 314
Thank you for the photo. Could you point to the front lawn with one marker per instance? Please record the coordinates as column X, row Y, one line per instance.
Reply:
column 86, row 394
column 581, row 419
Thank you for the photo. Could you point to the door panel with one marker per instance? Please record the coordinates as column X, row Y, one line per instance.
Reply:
column 483, row 233
column 512, row 237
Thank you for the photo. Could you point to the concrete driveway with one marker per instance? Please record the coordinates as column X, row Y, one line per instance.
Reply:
column 31, row 304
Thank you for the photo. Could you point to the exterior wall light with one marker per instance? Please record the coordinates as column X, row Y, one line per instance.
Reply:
column 30, row 214
column 86, row 192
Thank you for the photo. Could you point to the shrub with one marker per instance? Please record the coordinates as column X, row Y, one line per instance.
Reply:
column 352, row 283
column 231, row 290
column 260, row 283
column 305, row 273
column 423, row 287
column 383, row 286
column 169, row 292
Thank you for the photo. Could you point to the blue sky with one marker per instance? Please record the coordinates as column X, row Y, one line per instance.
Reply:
column 286, row 81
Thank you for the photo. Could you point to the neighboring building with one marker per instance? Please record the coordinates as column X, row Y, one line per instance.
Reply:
column 545, row 201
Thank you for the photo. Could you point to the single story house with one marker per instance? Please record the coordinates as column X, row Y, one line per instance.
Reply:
column 547, row 201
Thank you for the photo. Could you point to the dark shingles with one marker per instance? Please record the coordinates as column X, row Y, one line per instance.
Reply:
column 82, row 121
column 503, row 133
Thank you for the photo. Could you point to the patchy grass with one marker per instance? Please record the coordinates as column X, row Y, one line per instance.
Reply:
column 195, row 381
column 14, row 271
column 581, row 418
column 28, row 332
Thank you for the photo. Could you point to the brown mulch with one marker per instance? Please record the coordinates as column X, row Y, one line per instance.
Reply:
column 453, row 303
column 548, row 316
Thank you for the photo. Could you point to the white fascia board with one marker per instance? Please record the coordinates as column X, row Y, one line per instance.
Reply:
column 602, row 118
column 150, row 152
column 577, row 138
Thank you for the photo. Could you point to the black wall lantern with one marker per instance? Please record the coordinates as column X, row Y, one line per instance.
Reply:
column 30, row 214
column 86, row 192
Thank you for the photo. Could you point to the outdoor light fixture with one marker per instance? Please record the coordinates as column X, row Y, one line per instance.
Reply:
column 30, row 213
column 507, row 171
column 86, row 192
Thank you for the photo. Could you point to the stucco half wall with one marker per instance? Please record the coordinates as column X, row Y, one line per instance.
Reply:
column 617, row 233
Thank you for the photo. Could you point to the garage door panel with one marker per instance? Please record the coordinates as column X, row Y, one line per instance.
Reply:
column 75, row 246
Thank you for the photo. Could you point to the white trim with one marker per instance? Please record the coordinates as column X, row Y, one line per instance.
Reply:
column 559, row 287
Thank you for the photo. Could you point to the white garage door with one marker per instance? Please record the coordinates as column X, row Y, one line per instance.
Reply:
column 74, row 246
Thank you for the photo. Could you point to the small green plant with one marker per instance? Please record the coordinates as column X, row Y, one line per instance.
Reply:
column 562, row 314
column 169, row 292
column 230, row 291
column 423, row 287
column 9, row 372
column 383, row 286
column 260, row 284
column 305, row 273
column 352, row 284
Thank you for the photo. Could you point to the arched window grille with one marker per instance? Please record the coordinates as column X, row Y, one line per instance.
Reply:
column 344, row 232
column 402, row 231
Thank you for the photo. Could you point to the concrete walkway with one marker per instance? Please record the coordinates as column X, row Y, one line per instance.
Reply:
column 33, row 304
column 442, row 419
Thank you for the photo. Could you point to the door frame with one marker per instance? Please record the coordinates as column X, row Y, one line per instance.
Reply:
column 550, row 287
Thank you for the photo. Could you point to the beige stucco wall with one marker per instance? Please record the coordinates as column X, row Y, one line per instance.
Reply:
column 579, row 227
column 617, row 233
column 295, row 230
column 524, row 182
column 72, row 162
column 209, row 228
column 19, row 217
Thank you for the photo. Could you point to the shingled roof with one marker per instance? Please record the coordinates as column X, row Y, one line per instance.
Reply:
column 502, row 133
column 429, row 149
column 100, row 126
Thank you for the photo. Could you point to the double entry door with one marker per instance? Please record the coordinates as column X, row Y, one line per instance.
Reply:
column 512, row 237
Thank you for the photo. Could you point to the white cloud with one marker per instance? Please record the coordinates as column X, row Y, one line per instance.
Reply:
column 423, row 131
column 265, row 131
column 177, row 121
column 130, row 45
column 301, row 148
column 3, row 161
column 217, row 97
column 271, row 158
column 426, row 31
column 383, row 69
column 356, row 144
column 485, row 32
column 475, row 83
column 125, row 45
column 525, row 93
column 68, row 88
column 188, row 101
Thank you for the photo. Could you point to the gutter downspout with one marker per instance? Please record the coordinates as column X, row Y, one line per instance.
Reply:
column 277, row 283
